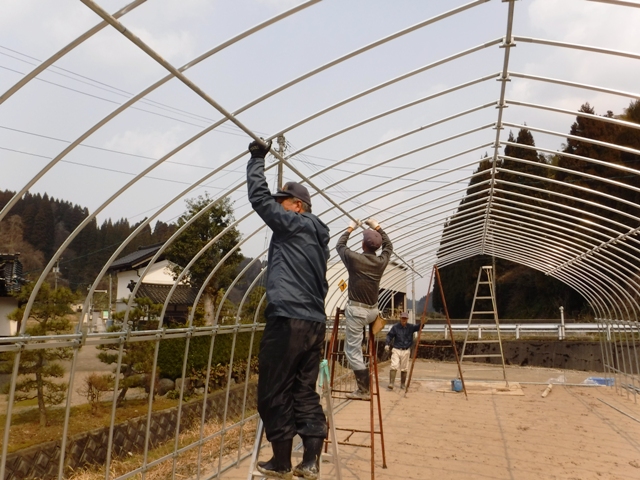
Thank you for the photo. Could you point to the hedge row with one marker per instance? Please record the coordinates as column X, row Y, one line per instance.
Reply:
column 171, row 354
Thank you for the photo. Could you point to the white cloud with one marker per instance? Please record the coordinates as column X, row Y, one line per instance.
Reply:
column 280, row 4
column 152, row 144
column 176, row 47
column 587, row 22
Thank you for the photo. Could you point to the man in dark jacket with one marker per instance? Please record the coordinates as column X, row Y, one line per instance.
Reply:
column 365, row 271
column 400, row 338
column 290, row 350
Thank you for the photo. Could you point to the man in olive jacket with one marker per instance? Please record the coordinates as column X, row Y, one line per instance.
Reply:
column 290, row 350
column 365, row 272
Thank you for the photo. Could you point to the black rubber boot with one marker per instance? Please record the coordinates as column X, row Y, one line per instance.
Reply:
column 392, row 378
column 309, row 468
column 280, row 464
column 403, row 380
column 362, row 379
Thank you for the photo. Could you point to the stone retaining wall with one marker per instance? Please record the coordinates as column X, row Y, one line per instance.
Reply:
column 572, row 355
column 90, row 448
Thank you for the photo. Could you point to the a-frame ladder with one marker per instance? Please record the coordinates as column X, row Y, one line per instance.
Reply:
column 435, row 273
column 324, row 383
column 339, row 369
column 483, row 306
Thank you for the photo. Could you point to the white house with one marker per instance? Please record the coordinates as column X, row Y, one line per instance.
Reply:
column 155, row 284
column 10, row 281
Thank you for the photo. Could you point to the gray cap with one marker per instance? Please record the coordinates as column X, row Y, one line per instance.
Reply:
column 404, row 315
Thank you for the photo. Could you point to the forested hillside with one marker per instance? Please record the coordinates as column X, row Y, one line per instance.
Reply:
column 520, row 171
column 38, row 225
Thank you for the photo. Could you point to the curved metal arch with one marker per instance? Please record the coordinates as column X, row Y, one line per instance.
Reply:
column 606, row 266
column 567, row 83
column 565, row 232
column 378, row 116
column 582, row 286
column 141, row 95
column 469, row 252
column 613, row 146
column 577, row 46
column 185, row 271
column 573, row 113
column 602, row 297
column 466, row 165
column 64, row 50
column 509, row 241
column 177, row 73
column 579, row 220
column 573, row 172
column 631, row 231
column 603, row 290
column 105, row 120
column 511, row 253
column 411, row 152
column 573, row 232
column 562, row 195
column 579, row 285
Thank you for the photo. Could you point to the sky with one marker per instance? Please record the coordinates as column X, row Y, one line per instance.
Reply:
column 413, row 193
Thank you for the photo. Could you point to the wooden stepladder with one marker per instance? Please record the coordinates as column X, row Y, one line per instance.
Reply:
column 340, row 386
column 419, row 342
column 324, row 384
column 483, row 311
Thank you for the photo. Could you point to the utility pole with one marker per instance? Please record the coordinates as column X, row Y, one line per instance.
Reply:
column 56, row 271
column 413, row 293
column 281, row 147
column 109, row 319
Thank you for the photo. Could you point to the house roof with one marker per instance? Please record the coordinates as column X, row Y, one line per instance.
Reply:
column 10, row 274
column 136, row 259
column 183, row 294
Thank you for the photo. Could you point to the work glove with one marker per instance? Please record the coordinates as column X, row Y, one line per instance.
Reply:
column 373, row 223
column 258, row 150
column 354, row 224
column 387, row 348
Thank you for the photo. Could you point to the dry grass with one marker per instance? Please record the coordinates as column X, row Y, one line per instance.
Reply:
column 26, row 431
column 187, row 462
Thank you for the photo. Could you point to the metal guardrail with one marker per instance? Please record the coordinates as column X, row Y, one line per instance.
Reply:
column 522, row 329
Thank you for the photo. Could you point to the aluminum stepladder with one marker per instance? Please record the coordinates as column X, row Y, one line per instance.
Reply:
column 336, row 353
column 435, row 273
column 484, row 304
column 324, row 383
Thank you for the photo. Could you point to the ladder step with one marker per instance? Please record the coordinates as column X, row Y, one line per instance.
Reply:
column 483, row 341
column 484, row 312
column 497, row 355
column 484, row 298
column 484, row 283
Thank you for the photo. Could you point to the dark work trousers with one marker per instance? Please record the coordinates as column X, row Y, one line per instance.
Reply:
column 289, row 363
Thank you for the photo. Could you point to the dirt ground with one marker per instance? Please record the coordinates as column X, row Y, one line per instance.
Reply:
column 434, row 433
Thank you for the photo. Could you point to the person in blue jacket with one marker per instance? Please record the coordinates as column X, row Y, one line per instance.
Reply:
column 400, row 338
column 292, row 341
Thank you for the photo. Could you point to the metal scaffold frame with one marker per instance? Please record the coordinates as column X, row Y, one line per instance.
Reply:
column 421, row 178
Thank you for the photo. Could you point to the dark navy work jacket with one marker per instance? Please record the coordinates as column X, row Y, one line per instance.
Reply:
column 298, row 254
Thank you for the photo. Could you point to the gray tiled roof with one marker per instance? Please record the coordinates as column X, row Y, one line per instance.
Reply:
column 183, row 294
column 136, row 259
